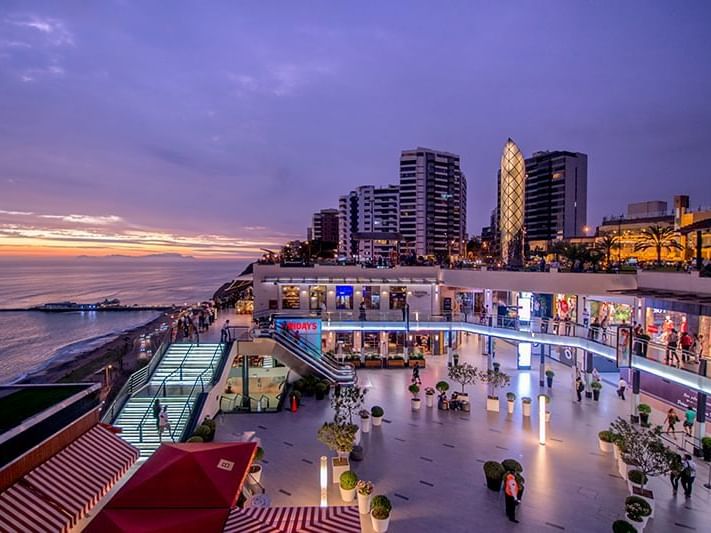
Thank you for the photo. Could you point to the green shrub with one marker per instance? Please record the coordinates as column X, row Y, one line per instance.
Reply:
column 414, row 389
column 493, row 470
column 376, row 410
column 380, row 507
column 348, row 480
column 196, row 438
column 202, row 431
column 550, row 373
column 623, row 526
column 526, row 399
column 259, row 454
column 297, row 394
column 706, row 442
column 637, row 477
column 511, row 465
column 644, row 408
column 299, row 385
column 209, row 422
column 606, row 436
column 637, row 508
column 442, row 386
column 510, row 396
column 321, row 388
column 596, row 385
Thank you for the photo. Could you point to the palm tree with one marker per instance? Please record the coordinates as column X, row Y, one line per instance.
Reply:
column 660, row 238
column 606, row 244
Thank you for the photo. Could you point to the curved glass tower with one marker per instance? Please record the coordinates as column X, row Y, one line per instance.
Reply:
column 512, row 194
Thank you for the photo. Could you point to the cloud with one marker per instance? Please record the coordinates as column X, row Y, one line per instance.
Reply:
column 280, row 79
column 53, row 30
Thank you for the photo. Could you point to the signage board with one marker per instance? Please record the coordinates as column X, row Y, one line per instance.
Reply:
column 307, row 330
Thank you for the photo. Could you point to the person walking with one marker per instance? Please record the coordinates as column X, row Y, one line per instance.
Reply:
column 416, row 375
column 156, row 410
column 621, row 387
column 671, row 419
column 596, row 375
column 688, row 475
column 686, row 341
column 672, row 344
column 511, row 490
column 603, row 326
column 675, row 468
column 225, row 332
column 163, row 422
column 361, row 312
column 579, row 388
column 689, row 419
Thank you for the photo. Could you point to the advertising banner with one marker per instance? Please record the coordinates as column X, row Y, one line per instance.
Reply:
column 624, row 346
column 307, row 330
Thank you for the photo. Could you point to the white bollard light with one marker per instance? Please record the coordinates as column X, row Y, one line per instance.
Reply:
column 324, row 481
column 542, row 419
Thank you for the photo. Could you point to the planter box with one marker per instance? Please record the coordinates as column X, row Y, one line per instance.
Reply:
column 412, row 363
column 510, row 407
column 373, row 363
column 646, row 494
column 492, row 404
column 396, row 363
column 338, row 466
column 347, row 495
column 605, row 447
column 354, row 362
column 380, row 526
column 377, row 420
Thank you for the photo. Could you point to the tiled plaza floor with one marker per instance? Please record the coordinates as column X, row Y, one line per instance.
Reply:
column 429, row 463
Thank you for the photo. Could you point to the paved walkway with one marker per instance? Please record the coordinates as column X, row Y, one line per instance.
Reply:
column 429, row 463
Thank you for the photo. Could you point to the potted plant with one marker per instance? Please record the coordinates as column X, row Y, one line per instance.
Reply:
column 376, row 412
column 494, row 473
column 415, row 402
column 364, row 420
column 464, row 374
column 636, row 478
column 364, row 489
column 637, row 511
column 373, row 361
column 341, row 439
column 605, row 439
column 255, row 471
column 596, row 386
column 644, row 411
column 429, row 396
column 511, row 401
column 512, row 465
column 347, row 485
column 526, row 406
column 495, row 380
column 442, row 387
column 321, row 389
column 380, row 508
column 549, row 377
column 706, row 448
column 623, row 526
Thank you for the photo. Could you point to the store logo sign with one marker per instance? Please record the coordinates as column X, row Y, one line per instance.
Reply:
column 302, row 326
column 224, row 464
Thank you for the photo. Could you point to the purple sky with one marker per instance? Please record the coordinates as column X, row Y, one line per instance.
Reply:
column 233, row 121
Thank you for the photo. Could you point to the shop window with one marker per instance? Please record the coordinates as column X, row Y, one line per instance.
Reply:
column 371, row 343
column 398, row 297
column 290, row 298
column 344, row 297
column 317, row 297
column 371, row 297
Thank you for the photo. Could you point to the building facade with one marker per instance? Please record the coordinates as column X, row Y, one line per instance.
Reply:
column 324, row 226
column 556, row 196
column 369, row 222
column 433, row 203
column 511, row 202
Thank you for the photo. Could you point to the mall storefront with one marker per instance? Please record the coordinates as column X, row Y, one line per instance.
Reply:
column 661, row 316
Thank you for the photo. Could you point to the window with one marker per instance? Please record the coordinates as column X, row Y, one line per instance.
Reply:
column 344, row 297
column 290, row 297
column 371, row 297
column 398, row 297
column 317, row 297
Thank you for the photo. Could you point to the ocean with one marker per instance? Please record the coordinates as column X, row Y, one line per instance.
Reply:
column 29, row 341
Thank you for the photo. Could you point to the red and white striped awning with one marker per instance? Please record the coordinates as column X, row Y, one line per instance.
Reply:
column 294, row 520
column 62, row 490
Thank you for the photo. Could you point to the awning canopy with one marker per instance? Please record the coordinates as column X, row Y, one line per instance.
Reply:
column 195, row 475
column 294, row 520
column 62, row 490
column 159, row 520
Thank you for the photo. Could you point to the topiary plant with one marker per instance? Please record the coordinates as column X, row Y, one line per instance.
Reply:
column 644, row 408
column 380, row 507
column 511, row 397
column 196, row 438
column 376, row 410
column 637, row 477
column 596, row 385
column 202, row 431
column 550, row 373
column 348, row 480
column 494, row 470
column 606, row 436
column 512, row 465
column 414, row 390
column 706, row 442
column 259, row 454
column 526, row 399
column 442, row 386
column 623, row 526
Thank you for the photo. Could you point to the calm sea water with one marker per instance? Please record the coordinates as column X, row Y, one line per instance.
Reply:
column 30, row 341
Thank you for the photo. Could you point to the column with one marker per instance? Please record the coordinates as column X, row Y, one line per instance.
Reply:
column 588, row 359
column 700, row 422
column 634, row 417
column 358, row 344
column 384, row 343
column 542, row 365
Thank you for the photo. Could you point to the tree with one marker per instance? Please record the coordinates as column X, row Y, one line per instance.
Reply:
column 606, row 244
column 346, row 401
column 660, row 238
column 642, row 449
column 495, row 380
column 464, row 374
column 338, row 437
column 574, row 254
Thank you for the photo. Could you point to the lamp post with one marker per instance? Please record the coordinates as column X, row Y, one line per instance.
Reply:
column 324, row 481
column 542, row 419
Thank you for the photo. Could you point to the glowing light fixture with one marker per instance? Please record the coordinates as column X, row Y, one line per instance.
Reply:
column 324, row 481
column 542, row 419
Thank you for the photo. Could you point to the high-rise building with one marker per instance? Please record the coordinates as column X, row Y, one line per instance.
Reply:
column 368, row 222
column 433, row 203
column 324, row 226
column 511, row 202
column 556, row 196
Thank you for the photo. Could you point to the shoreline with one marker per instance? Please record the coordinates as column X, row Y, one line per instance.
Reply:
column 88, row 366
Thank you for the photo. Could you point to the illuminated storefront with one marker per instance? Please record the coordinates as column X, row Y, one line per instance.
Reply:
column 565, row 306
column 615, row 313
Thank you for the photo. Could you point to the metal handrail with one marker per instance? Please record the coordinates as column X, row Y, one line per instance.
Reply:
column 341, row 370
column 152, row 402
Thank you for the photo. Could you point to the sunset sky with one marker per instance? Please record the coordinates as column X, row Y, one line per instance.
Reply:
column 216, row 129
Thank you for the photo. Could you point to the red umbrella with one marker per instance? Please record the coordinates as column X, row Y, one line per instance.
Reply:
column 158, row 521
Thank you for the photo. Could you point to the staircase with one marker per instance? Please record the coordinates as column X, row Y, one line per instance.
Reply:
column 184, row 372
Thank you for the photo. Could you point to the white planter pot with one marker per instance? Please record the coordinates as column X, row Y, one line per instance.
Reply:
column 510, row 406
column 605, row 447
column 650, row 501
column 492, row 404
column 377, row 420
column 356, row 440
column 526, row 407
column 380, row 526
column 622, row 468
column 364, row 503
column 548, row 416
column 365, row 425
column 347, row 495
column 339, row 469
column 616, row 451
column 416, row 403
column 429, row 400
column 256, row 477
column 639, row 526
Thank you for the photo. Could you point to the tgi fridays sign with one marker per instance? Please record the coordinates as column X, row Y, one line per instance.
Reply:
column 306, row 329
